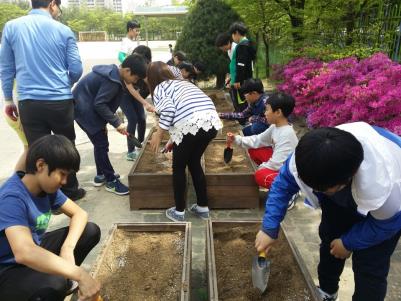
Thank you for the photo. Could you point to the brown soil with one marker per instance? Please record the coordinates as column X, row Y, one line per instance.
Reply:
column 229, row 126
column 214, row 159
column 155, row 163
column 234, row 250
column 220, row 102
column 142, row 266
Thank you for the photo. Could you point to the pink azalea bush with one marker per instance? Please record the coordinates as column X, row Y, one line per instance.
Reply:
column 346, row 90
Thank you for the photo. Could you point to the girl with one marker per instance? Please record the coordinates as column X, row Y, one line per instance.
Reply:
column 192, row 121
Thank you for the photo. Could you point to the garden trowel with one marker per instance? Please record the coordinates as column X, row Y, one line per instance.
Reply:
column 228, row 152
column 135, row 140
column 260, row 272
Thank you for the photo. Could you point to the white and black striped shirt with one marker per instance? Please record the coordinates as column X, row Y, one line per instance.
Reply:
column 178, row 100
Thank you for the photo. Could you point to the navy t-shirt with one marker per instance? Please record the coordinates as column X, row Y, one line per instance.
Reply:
column 18, row 207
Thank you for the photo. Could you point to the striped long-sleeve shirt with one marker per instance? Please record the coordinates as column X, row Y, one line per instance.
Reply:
column 184, row 108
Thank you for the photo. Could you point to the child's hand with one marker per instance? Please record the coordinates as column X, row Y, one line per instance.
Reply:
column 10, row 110
column 263, row 242
column 168, row 147
column 155, row 142
column 221, row 114
column 237, row 85
column 230, row 137
column 338, row 250
column 150, row 108
column 122, row 129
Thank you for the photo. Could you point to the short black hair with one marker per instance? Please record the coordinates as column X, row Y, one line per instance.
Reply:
column 223, row 39
column 133, row 24
column 144, row 51
column 56, row 150
column 200, row 66
column 282, row 101
column 327, row 157
column 252, row 85
column 186, row 66
column 180, row 55
column 136, row 63
column 238, row 27
column 43, row 3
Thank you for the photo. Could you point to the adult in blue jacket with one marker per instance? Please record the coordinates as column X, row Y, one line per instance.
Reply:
column 353, row 172
column 97, row 97
column 41, row 54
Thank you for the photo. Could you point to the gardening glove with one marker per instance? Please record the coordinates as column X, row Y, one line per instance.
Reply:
column 10, row 109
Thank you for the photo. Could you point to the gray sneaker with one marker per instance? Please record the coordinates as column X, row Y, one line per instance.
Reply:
column 170, row 214
column 194, row 210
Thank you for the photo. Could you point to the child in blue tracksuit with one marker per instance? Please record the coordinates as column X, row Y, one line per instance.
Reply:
column 255, row 111
column 97, row 97
column 353, row 172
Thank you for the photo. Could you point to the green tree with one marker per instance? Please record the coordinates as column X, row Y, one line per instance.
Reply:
column 205, row 21
column 9, row 12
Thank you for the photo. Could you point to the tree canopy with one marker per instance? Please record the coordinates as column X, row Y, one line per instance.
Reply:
column 206, row 20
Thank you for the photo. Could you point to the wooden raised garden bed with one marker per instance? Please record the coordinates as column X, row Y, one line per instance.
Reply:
column 151, row 179
column 145, row 261
column 230, row 185
column 229, row 252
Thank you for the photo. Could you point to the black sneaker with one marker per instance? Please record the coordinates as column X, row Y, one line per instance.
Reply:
column 78, row 195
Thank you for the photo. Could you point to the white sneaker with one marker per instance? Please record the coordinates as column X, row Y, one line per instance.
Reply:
column 327, row 297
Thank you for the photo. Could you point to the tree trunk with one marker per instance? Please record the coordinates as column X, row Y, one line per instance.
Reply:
column 267, row 62
column 296, row 15
column 256, row 65
column 220, row 80
column 349, row 24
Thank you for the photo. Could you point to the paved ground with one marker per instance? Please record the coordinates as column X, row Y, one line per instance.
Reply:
column 105, row 208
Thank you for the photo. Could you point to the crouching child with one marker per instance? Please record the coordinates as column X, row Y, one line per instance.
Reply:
column 35, row 264
column 271, row 148
column 254, row 113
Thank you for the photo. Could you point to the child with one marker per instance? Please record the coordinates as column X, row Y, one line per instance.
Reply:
column 128, row 43
column 35, row 265
column 192, row 121
column 241, row 63
column 178, row 58
column 353, row 172
column 133, row 104
column 97, row 97
column 225, row 43
column 187, row 71
column 272, row 147
column 255, row 111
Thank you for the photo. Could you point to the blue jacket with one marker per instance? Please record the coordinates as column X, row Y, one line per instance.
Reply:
column 362, row 235
column 42, row 54
column 97, row 97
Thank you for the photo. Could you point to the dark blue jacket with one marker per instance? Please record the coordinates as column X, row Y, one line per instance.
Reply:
column 97, row 97
column 365, row 234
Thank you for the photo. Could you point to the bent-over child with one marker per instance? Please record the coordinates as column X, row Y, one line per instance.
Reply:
column 352, row 172
column 97, row 97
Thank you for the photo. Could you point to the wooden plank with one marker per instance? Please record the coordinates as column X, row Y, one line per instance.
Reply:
column 148, row 199
column 231, row 179
column 211, row 264
column 150, row 180
column 233, row 197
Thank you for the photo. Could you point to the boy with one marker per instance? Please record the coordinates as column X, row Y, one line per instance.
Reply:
column 272, row 147
column 35, row 265
column 255, row 112
column 351, row 171
column 225, row 43
column 97, row 97
column 241, row 63
column 128, row 43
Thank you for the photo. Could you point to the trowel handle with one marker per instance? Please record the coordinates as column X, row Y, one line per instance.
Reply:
column 262, row 254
